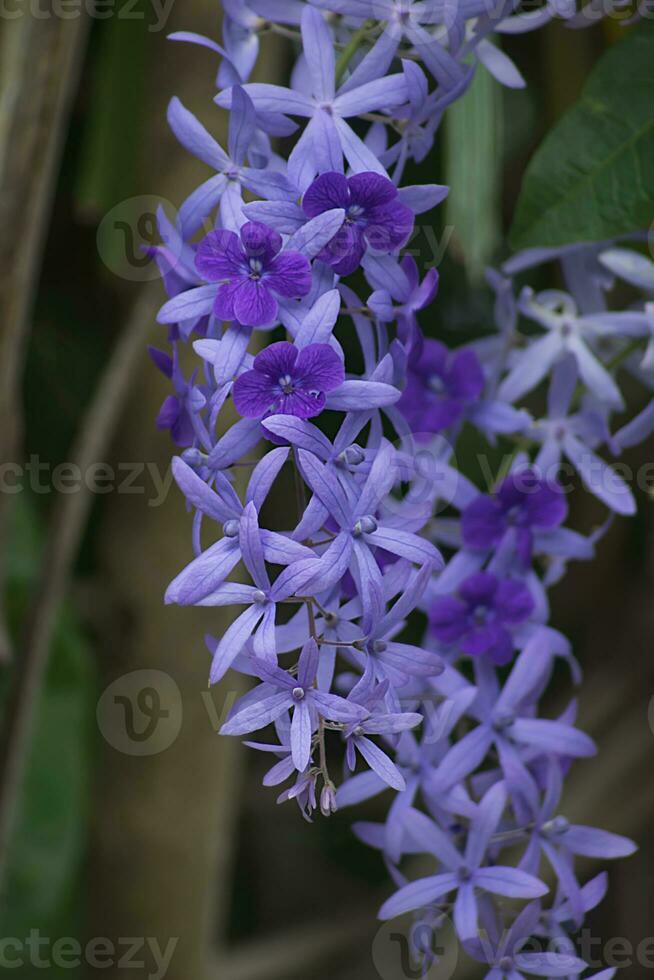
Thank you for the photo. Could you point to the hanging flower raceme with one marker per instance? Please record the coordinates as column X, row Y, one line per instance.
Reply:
column 382, row 523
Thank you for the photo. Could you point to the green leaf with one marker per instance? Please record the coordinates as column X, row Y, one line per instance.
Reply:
column 49, row 839
column 592, row 177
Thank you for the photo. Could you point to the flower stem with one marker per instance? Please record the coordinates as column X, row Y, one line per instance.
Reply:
column 351, row 48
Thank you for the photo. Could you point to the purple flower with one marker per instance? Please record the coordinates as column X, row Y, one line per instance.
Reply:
column 440, row 386
column 288, row 381
column 462, row 873
column 502, row 950
column 411, row 296
column 378, row 722
column 478, row 617
column 225, row 187
column 523, row 503
column 178, row 411
column 283, row 692
column 374, row 216
column 252, row 272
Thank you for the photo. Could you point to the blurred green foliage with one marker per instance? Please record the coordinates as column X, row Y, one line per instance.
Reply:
column 48, row 847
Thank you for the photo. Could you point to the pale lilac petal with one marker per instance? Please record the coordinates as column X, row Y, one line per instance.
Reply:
column 359, row 156
column 201, row 496
column 241, row 125
column 465, row 913
column 600, row 478
column 325, row 486
column 233, row 641
column 204, row 574
column 381, row 764
column 417, row 895
column 510, row 882
column 499, row 64
column 189, row 305
column 382, row 93
column 318, row 46
column 301, row 736
column 432, row 839
column 257, row 715
column 200, row 204
column 357, row 396
column 194, row 137
column 550, row 964
column 312, row 237
column 591, row 842
column 406, row 545
column 264, row 475
column 553, row 736
column 300, row 433
column 270, row 99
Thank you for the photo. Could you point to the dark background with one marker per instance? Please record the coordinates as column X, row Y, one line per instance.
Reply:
column 184, row 843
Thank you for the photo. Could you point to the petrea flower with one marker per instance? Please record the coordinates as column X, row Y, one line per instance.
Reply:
column 358, row 558
column 402, row 284
column 506, row 721
column 557, row 839
column 570, row 333
column 225, row 188
column 408, row 20
column 522, row 504
column 359, row 532
column 178, row 410
column 572, row 434
column 374, row 216
column 327, row 136
column 503, row 951
column 283, row 692
column 209, row 569
column 440, row 386
column 288, row 381
column 378, row 722
column 478, row 618
column 252, row 272
column 463, row 873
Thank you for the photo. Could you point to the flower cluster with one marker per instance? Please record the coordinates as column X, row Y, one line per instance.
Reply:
column 383, row 523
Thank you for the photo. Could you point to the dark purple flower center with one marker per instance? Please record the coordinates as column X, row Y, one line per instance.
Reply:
column 465, row 874
column 506, row 964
